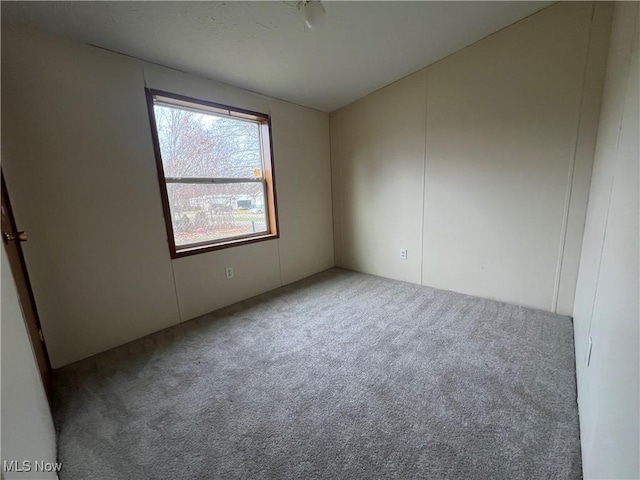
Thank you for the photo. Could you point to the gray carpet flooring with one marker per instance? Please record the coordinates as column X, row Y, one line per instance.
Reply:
column 338, row 376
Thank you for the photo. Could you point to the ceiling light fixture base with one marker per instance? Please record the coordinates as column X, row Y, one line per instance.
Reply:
column 314, row 13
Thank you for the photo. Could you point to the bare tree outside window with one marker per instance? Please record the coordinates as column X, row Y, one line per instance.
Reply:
column 215, row 166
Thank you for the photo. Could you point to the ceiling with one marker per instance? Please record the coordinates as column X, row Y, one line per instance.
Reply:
column 264, row 46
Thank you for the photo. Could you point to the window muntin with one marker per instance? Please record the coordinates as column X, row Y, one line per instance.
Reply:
column 216, row 173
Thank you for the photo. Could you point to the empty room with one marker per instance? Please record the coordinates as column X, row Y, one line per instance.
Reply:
column 320, row 240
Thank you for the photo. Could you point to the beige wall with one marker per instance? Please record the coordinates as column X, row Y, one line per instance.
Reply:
column 80, row 169
column 27, row 429
column 607, row 297
column 479, row 165
column 377, row 157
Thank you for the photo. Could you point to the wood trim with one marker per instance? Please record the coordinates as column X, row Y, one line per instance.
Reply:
column 235, row 238
column 269, row 176
column 212, row 247
column 266, row 146
column 161, row 177
column 246, row 114
column 25, row 294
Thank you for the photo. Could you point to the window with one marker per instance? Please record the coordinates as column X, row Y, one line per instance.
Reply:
column 216, row 173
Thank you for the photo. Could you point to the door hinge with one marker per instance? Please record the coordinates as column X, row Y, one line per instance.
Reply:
column 41, row 336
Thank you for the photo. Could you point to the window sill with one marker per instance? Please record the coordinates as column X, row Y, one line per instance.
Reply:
column 211, row 247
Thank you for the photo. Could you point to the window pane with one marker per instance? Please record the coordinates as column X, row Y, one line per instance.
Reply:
column 196, row 144
column 207, row 212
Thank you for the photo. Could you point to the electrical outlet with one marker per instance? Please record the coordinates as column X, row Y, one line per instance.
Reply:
column 403, row 253
column 228, row 273
column 589, row 348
